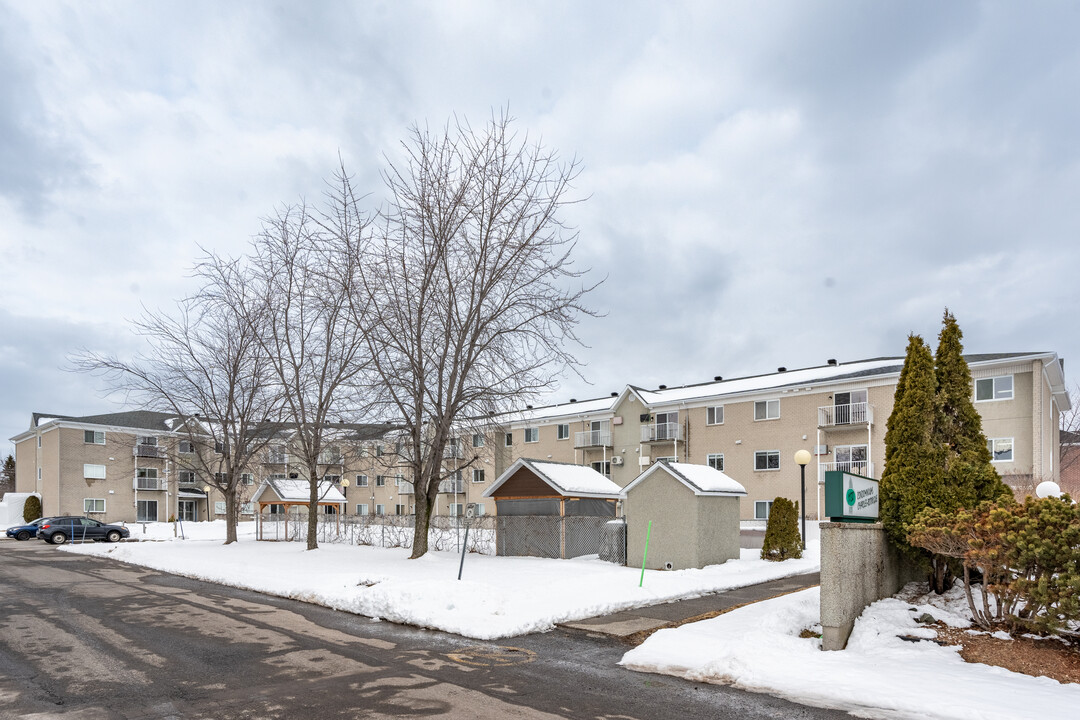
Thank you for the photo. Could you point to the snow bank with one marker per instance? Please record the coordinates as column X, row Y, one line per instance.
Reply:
column 758, row 648
column 498, row 596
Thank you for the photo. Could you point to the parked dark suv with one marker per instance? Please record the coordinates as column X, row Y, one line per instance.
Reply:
column 59, row 530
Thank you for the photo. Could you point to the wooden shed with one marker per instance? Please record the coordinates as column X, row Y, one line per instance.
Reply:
column 694, row 510
column 280, row 496
column 550, row 509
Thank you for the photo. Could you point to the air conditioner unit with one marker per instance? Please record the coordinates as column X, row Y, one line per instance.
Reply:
column 643, row 460
column 821, row 449
column 616, row 460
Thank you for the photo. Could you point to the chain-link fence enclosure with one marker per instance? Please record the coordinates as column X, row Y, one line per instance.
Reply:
column 549, row 536
column 388, row 531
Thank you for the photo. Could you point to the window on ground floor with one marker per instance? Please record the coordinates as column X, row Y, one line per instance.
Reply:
column 94, row 505
column 361, row 508
column 380, row 509
column 767, row 460
column 1001, row 449
column 146, row 511
column 219, row 507
column 761, row 509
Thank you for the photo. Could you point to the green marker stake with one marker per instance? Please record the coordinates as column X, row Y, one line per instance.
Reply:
column 648, row 532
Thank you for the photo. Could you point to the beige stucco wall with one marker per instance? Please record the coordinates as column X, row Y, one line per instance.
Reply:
column 717, row 530
column 26, row 466
column 669, row 505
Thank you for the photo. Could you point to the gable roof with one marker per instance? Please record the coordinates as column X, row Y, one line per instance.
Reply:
column 566, row 479
column 701, row 479
column 295, row 490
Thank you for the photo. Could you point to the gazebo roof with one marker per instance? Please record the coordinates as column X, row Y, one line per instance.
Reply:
column 293, row 491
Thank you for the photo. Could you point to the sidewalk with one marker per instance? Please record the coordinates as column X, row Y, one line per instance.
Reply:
column 635, row 625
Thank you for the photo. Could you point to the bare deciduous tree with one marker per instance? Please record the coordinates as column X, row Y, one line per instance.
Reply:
column 1070, row 432
column 205, row 366
column 294, row 293
column 466, row 292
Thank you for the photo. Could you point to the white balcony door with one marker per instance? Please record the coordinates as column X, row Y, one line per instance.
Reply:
column 188, row 511
column 852, row 458
column 850, row 407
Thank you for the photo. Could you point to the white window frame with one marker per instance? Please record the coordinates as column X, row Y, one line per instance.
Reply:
column 479, row 510
column 88, row 508
column 563, row 431
column 991, row 443
column 335, row 479
column 671, row 458
column 768, row 509
column 247, row 479
column 768, row 406
column 508, row 441
column 478, row 475
column 194, row 478
column 361, row 508
column 715, row 456
column 186, row 444
column 219, row 507
column 91, row 472
column 94, row 434
column 456, row 509
column 766, row 453
column 361, row 481
column 996, row 395
column 157, row 510
column 603, row 465
column 146, row 440
column 711, row 414
column 247, row 508
column 380, row 509
column 401, row 509
column 380, row 481
column 399, row 480
column 477, row 440
column 535, row 432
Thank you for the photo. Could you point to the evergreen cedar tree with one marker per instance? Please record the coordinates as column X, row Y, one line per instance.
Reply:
column 935, row 451
column 32, row 509
column 782, row 539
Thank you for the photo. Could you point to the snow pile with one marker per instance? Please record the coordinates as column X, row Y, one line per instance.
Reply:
column 879, row 675
column 498, row 596
column 191, row 530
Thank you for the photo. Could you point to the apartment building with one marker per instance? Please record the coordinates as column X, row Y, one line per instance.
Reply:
column 751, row 427
column 130, row 466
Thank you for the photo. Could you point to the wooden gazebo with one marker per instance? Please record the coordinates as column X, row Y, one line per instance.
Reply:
column 294, row 493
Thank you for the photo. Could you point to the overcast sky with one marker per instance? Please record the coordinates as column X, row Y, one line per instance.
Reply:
column 768, row 183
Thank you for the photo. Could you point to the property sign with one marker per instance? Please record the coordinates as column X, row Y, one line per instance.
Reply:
column 850, row 498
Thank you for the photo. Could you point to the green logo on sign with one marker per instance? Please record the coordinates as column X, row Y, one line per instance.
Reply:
column 850, row 497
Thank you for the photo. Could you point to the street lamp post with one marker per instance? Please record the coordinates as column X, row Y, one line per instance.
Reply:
column 209, row 515
column 801, row 459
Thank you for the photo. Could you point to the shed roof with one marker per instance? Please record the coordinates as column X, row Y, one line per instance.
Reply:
column 701, row 479
column 293, row 490
column 566, row 479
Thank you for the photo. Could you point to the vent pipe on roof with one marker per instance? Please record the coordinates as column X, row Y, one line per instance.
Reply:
column 663, row 387
column 573, row 399
column 781, row 369
column 614, row 394
column 718, row 378
column 832, row 361
column 528, row 407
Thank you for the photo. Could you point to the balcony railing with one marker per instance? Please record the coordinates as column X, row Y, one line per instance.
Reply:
column 661, row 432
column 851, row 414
column 453, row 452
column 855, row 467
column 406, row 488
column 450, row 485
column 276, row 458
column 149, row 484
column 148, row 451
column 330, row 457
column 189, row 483
column 592, row 438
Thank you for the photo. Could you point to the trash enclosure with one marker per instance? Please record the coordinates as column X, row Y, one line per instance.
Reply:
column 552, row 510
column 694, row 510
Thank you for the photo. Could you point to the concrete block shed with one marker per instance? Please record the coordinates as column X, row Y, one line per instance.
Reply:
column 694, row 511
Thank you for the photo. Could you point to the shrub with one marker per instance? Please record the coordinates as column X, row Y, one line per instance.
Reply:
column 32, row 508
column 782, row 539
column 1026, row 555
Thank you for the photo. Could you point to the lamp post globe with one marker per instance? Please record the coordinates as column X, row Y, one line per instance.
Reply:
column 1048, row 488
column 802, row 457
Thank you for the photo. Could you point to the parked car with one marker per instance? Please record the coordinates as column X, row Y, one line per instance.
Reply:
column 25, row 532
column 59, row 530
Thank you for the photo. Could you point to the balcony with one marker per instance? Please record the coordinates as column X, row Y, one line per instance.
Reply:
column 276, row 457
column 453, row 452
column 661, row 432
column 855, row 467
column 832, row 416
column 453, row 486
column 148, row 484
column 406, row 488
column 188, row 482
column 592, row 438
column 330, row 457
column 148, row 451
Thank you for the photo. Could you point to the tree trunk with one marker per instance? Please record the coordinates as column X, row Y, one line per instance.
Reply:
column 941, row 577
column 425, row 502
column 313, row 512
column 230, row 514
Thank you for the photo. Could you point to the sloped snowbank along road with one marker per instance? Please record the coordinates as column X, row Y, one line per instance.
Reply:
column 498, row 596
column 878, row 676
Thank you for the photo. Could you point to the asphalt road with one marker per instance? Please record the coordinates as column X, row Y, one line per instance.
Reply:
column 92, row 638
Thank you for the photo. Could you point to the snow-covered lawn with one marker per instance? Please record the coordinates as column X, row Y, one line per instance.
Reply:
column 497, row 597
column 191, row 531
column 758, row 648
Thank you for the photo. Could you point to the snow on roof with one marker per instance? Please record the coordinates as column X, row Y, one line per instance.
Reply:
column 295, row 490
column 708, row 479
column 585, row 407
column 701, row 479
column 565, row 478
column 766, row 382
column 576, row 479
